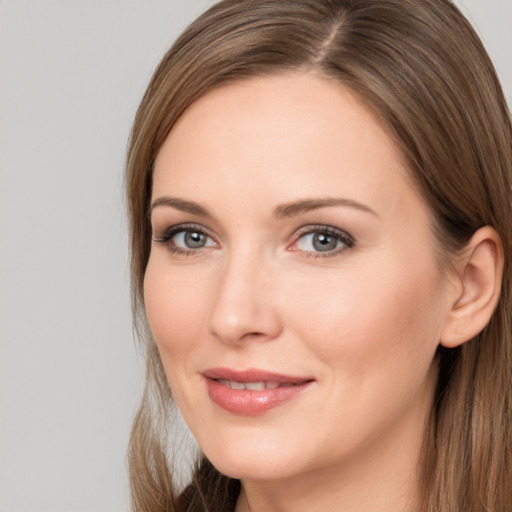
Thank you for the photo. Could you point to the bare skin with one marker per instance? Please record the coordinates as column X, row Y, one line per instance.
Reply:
column 288, row 238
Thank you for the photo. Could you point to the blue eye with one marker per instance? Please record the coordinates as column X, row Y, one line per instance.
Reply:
column 184, row 239
column 191, row 239
column 323, row 241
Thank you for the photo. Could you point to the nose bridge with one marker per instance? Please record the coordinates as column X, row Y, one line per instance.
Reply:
column 244, row 307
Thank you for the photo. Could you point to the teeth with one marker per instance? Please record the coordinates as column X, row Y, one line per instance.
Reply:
column 251, row 386
column 255, row 386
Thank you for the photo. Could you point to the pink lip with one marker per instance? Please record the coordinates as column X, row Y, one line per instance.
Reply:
column 252, row 402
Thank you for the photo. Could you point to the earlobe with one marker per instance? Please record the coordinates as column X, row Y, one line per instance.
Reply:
column 479, row 271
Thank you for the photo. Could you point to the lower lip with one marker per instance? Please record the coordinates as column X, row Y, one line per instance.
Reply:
column 250, row 403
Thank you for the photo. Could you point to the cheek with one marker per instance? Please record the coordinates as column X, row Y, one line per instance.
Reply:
column 376, row 338
column 371, row 320
column 175, row 315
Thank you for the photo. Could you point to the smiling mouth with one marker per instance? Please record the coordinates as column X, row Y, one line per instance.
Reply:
column 252, row 392
column 256, row 386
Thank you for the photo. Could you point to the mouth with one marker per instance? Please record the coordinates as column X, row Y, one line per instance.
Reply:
column 252, row 392
column 254, row 386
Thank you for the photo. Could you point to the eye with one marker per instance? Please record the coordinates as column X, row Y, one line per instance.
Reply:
column 191, row 240
column 185, row 239
column 322, row 241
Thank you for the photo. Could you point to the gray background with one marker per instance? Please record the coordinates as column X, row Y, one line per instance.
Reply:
column 72, row 73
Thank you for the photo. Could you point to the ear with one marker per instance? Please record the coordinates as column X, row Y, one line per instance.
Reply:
column 478, row 271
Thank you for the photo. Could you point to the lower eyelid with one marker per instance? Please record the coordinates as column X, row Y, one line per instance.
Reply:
column 167, row 237
column 341, row 236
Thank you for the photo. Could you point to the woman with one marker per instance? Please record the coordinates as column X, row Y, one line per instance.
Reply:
column 319, row 197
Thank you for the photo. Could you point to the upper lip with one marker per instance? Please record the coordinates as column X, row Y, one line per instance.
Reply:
column 253, row 375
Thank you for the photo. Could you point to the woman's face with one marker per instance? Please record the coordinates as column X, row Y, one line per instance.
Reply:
column 293, row 288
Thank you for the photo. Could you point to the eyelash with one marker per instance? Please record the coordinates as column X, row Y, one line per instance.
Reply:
column 339, row 235
column 170, row 233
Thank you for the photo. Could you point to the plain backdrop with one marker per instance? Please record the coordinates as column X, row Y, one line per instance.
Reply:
column 71, row 75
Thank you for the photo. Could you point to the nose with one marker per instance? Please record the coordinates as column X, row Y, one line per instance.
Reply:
column 245, row 306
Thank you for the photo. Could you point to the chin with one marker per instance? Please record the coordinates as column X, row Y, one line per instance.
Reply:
column 250, row 470
column 253, row 462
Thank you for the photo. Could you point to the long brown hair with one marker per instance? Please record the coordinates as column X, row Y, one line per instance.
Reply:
column 421, row 68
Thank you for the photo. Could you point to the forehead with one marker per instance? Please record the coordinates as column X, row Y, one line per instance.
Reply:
column 282, row 137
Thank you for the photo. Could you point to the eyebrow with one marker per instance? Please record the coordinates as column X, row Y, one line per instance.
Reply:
column 281, row 211
column 182, row 205
column 305, row 205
